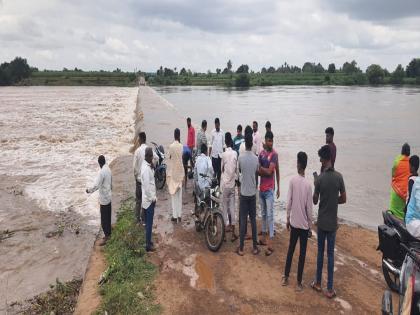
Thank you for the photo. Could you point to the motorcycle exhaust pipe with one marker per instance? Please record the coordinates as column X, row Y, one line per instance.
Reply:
column 391, row 268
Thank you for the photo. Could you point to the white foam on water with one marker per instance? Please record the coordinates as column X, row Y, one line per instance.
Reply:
column 57, row 133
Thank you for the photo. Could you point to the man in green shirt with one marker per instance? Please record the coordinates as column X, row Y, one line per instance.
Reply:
column 330, row 192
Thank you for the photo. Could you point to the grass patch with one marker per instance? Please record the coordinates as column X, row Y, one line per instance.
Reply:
column 128, row 287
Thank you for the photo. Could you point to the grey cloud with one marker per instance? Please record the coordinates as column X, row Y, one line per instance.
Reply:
column 210, row 16
column 375, row 10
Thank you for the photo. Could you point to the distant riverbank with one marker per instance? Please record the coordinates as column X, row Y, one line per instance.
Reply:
column 128, row 79
column 270, row 79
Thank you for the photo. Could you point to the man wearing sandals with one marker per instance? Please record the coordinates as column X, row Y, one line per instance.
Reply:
column 330, row 191
column 268, row 159
column 299, row 218
column 248, row 167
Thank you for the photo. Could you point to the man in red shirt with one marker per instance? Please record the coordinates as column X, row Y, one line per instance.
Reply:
column 268, row 160
column 191, row 135
column 191, row 146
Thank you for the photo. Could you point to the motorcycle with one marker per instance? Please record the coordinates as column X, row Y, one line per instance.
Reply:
column 208, row 217
column 409, row 288
column 393, row 239
column 160, row 170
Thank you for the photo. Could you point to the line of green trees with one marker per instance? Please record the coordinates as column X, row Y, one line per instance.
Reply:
column 374, row 74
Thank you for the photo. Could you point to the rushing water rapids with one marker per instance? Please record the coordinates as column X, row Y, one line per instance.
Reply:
column 57, row 133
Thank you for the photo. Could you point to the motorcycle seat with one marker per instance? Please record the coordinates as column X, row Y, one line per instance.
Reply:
column 399, row 225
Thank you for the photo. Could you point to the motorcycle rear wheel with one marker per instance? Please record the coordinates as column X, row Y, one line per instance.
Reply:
column 214, row 231
column 392, row 280
column 160, row 178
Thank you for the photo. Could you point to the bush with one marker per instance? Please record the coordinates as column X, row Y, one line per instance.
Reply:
column 242, row 80
column 375, row 74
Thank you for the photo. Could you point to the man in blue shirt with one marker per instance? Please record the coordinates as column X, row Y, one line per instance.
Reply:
column 412, row 217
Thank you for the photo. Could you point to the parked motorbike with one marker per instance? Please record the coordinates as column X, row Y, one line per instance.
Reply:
column 392, row 234
column 207, row 215
column 409, row 288
column 160, row 170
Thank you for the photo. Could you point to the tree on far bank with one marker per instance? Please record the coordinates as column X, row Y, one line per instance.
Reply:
column 397, row 77
column 229, row 65
column 242, row 69
column 14, row 72
column 319, row 68
column 308, row 67
column 375, row 74
column 350, row 68
column 271, row 69
column 183, row 72
column 331, row 68
column 413, row 68
column 218, row 71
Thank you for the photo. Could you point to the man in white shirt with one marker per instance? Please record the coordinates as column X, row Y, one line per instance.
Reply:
column 203, row 166
column 175, row 176
column 103, row 183
column 228, row 179
column 216, row 150
column 137, row 163
column 149, row 195
column 256, row 139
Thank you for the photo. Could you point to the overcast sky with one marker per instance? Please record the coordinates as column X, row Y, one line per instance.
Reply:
column 204, row 34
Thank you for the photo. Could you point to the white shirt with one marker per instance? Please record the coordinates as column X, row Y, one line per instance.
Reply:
column 103, row 183
column 217, row 141
column 138, row 159
column 229, row 168
column 257, row 142
column 148, row 188
column 203, row 166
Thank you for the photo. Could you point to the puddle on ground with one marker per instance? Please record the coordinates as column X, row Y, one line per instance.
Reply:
column 196, row 269
column 205, row 274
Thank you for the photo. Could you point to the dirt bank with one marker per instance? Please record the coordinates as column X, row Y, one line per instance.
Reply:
column 37, row 246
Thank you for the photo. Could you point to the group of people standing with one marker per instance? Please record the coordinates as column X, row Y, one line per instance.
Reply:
column 249, row 165
column 405, row 190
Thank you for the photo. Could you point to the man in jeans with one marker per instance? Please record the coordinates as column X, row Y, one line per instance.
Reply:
column 137, row 162
column 268, row 160
column 248, row 166
column 149, row 196
column 216, row 150
column 103, row 183
column 299, row 218
column 330, row 191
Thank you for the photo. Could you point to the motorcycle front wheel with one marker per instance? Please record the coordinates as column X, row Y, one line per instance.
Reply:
column 214, row 231
column 160, row 178
column 392, row 280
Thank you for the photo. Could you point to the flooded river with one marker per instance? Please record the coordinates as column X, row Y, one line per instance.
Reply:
column 371, row 124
